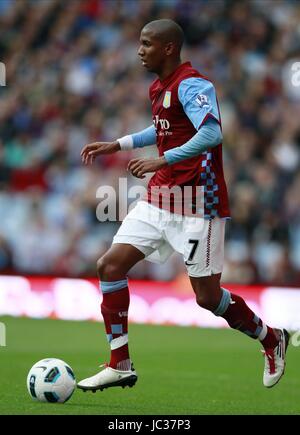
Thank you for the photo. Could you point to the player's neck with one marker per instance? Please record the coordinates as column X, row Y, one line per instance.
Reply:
column 169, row 69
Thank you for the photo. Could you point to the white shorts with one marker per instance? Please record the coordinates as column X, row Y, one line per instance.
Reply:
column 158, row 233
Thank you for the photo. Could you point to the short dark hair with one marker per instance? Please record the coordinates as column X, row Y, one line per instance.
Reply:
column 167, row 31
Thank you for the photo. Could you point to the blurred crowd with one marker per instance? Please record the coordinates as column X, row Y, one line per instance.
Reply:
column 73, row 77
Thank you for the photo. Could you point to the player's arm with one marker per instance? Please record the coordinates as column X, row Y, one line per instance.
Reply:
column 141, row 139
column 208, row 136
column 137, row 140
column 199, row 101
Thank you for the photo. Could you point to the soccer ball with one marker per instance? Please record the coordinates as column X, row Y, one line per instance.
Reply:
column 51, row 380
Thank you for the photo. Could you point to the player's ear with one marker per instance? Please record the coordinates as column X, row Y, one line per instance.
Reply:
column 169, row 48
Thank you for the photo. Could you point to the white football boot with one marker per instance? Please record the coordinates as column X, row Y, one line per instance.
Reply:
column 275, row 360
column 107, row 378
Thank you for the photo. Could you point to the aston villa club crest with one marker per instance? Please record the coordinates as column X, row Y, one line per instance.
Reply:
column 167, row 100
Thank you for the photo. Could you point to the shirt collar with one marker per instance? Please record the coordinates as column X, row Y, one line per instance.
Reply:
column 175, row 72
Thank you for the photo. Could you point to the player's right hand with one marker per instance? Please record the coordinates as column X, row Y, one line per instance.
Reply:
column 90, row 151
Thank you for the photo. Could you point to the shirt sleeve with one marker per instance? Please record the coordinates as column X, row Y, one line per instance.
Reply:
column 144, row 138
column 141, row 139
column 198, row 99
column 208, row 136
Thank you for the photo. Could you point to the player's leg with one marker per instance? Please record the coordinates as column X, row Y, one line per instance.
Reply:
column 211, row 296
column 137, row 238
column 112, row 269
column 204, row 260
column 233, row 308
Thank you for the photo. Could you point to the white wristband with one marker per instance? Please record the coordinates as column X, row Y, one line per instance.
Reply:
column 126, row 142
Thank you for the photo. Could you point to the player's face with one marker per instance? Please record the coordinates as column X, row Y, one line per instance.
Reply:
column 151, row 52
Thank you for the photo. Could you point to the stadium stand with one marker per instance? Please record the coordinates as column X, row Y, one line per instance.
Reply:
column 73, row 77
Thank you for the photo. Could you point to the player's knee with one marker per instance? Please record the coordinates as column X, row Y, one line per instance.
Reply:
column 107, row 269
column 101, row 264
column 201, row 300
column 206, row 300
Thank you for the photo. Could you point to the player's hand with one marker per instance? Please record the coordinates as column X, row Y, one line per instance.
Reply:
column 90, row 151
column 139, row 167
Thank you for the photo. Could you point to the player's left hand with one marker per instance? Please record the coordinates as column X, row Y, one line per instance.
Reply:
column 139, row 167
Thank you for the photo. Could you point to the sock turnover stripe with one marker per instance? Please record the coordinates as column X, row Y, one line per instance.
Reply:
column 113, row 286
column 224, row 303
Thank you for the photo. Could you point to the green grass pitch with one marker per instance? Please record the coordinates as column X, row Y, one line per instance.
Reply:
column 181, row 371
